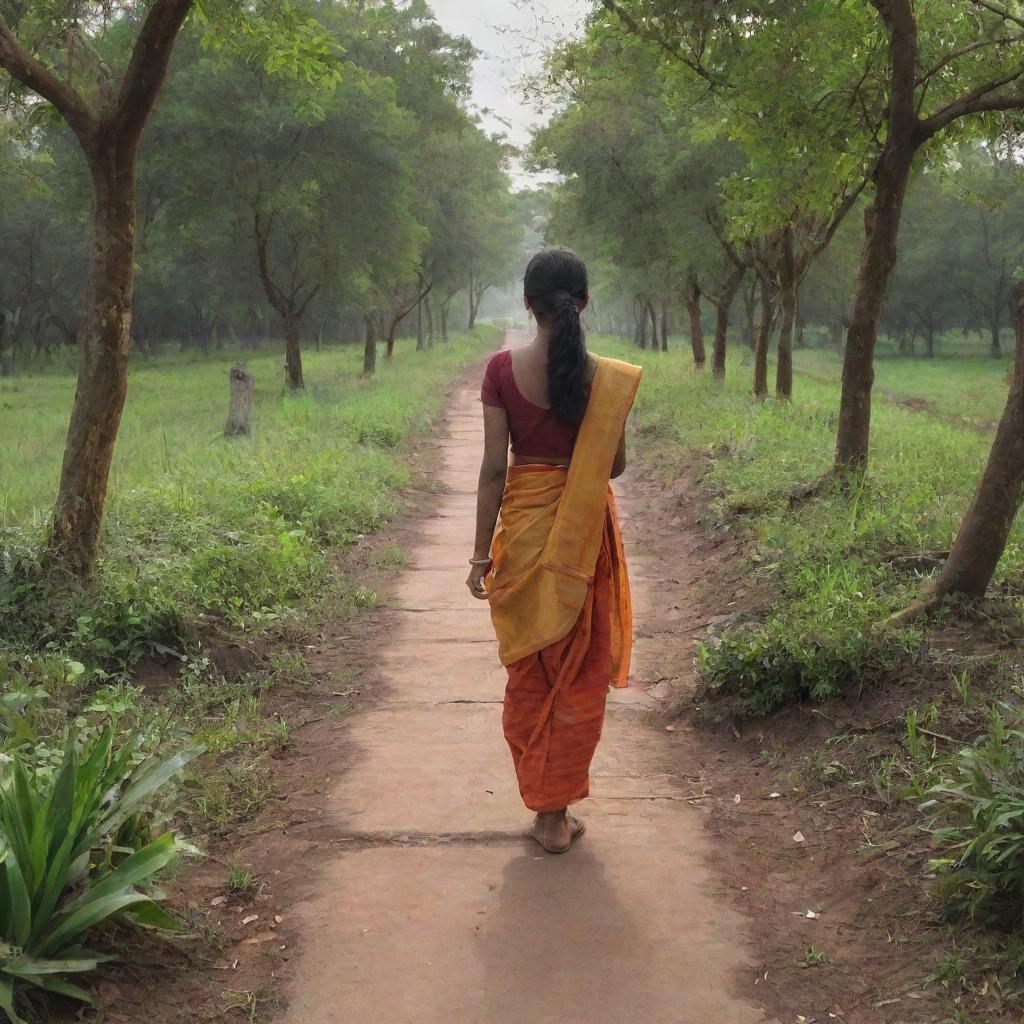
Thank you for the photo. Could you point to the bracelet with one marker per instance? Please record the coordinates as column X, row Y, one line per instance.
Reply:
column 480, row 561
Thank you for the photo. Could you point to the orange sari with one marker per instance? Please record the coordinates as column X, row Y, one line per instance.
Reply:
column 559, row 597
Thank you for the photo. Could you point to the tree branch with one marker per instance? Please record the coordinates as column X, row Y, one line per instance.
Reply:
column 1003, row 12
column 613, row 7
column 978, row 101
column 964, row 50
column 34, row 75
column 148, row 66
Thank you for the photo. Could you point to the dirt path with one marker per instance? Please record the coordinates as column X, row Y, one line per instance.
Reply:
column 437, row 909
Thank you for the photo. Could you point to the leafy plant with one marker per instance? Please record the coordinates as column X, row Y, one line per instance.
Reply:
column 61, row 870
column 983, row 797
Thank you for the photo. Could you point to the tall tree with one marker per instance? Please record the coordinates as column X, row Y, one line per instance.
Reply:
column 57, row 58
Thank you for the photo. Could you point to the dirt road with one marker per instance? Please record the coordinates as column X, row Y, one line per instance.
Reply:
column 441, row 911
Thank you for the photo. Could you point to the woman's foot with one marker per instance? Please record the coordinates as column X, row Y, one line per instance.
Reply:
column 555, row 830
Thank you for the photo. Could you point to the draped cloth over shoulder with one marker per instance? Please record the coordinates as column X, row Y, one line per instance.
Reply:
column 559, row 598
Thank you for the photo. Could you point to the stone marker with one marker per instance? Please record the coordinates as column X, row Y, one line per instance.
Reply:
column 240, row 409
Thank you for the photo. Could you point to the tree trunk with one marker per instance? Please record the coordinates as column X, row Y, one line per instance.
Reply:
column 664, row 326
column 421, row 339
column 764, row 320
column 878, row 257
column 929, row 340
column 881, row 230
column 784, row 365
column 472, row 303
column 429, row 310
column 723, row 304
column 392, row 332
column 241, row 382
column 370, row 347
column 997, row 341
column 655, row 340
column 445, row 308
column 104, row 340
column 983, row 533
column 837, row 334
column 292, row 354
column 643, row 324
column 696, row 328
column 750, row 306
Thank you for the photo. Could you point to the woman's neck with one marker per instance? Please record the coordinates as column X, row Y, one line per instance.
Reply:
column 543, row 339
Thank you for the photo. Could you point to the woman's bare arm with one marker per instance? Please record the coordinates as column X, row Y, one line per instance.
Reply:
column 493, row 471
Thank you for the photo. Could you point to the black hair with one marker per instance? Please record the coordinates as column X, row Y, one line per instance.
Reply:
column 555, row 283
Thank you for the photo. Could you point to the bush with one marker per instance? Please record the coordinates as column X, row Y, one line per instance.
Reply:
column 64, row 867
column 983, row 798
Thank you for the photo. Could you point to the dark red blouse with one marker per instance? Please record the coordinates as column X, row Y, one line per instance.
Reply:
column 535, row 431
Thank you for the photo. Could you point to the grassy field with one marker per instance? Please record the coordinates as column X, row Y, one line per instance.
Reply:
column 970, row 388
column 948, row 762
column 172, row 432
column 828, row 559
column 201, row 530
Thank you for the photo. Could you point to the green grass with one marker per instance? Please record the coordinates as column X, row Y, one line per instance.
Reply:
column 171, row 432
column 970, row 388
column 826, row 558
column 201, row 533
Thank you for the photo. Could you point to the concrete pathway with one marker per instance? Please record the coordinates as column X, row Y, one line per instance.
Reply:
column 442, row 913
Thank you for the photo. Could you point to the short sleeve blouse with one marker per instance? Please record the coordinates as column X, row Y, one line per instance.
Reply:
column 535, row 431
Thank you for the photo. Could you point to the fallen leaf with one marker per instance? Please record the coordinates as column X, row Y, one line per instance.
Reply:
column 774, row 796
column 670, row 728
column 250, row 918
column 737, row 799
column 798, row 837
column 218, row 901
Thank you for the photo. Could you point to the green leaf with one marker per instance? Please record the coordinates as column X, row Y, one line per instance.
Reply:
column 76, row 963
column 7, row 999
column 136, row 868
column 19, row 927
column 68, row 925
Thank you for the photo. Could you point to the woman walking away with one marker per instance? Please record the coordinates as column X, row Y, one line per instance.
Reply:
column 554, row 571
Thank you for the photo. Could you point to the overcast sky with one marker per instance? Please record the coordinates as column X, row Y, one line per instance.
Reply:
column 511, row 36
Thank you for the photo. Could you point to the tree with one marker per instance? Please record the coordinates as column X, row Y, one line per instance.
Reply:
column 108, row 126
column 858, row 89
column 45, row 57
column 985, row 529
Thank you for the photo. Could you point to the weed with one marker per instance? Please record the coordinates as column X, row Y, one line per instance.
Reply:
column 962, row 683
column 814, row 958
column 390, row 556
column 240, row 880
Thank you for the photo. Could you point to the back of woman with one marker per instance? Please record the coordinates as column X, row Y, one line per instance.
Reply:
column 548, row 554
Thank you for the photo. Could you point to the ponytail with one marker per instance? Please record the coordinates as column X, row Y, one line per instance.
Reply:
column 567, row 361
column 556, row 285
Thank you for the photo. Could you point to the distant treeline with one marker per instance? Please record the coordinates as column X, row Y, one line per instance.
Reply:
column 272, row 207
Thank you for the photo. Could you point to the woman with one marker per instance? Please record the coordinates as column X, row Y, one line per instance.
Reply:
column 554, row 571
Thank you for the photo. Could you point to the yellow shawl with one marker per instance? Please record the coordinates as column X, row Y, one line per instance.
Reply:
column 552, row 524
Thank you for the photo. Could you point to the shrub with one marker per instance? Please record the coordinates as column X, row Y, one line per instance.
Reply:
column 983, row 799
column 64, row 865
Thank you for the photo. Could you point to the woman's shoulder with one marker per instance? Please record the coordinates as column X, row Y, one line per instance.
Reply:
column 499, row 360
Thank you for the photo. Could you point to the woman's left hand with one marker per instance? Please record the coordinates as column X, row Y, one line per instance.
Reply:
column 475, row 581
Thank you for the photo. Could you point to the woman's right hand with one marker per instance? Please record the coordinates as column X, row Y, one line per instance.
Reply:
column 475, row 581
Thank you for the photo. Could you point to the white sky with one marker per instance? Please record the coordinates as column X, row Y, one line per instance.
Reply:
column 511, row 36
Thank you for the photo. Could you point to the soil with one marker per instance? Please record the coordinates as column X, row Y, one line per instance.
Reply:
column 720, row 881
